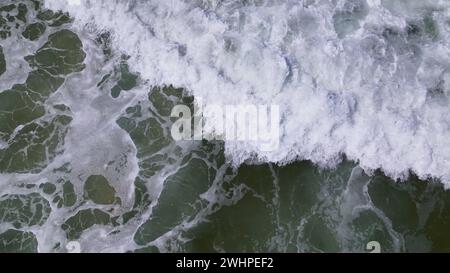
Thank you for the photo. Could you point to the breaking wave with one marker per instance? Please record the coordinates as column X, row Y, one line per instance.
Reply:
column 368, row 80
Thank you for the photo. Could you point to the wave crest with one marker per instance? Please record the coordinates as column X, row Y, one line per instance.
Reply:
column 366, row 79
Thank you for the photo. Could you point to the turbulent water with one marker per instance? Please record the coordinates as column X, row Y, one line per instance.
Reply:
column 86, row 155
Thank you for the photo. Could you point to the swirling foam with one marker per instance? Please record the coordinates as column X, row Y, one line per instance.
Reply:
column 368, row 80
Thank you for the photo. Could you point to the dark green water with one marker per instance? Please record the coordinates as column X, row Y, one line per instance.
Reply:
column 86, row 155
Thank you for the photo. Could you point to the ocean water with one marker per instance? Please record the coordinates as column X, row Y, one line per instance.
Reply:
column 86, row 153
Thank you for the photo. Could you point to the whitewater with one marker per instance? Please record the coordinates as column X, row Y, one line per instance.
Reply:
column 365, row 80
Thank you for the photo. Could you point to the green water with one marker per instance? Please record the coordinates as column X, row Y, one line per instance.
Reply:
column 184, row 197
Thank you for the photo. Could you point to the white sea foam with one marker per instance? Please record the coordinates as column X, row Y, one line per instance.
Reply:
column 349, row 76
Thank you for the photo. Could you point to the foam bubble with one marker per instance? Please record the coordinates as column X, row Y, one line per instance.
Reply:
column 368, row 81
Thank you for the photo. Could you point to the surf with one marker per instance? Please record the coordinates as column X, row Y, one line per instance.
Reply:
column 364, row 79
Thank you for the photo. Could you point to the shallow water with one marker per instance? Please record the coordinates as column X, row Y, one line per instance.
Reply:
column 86, row 153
